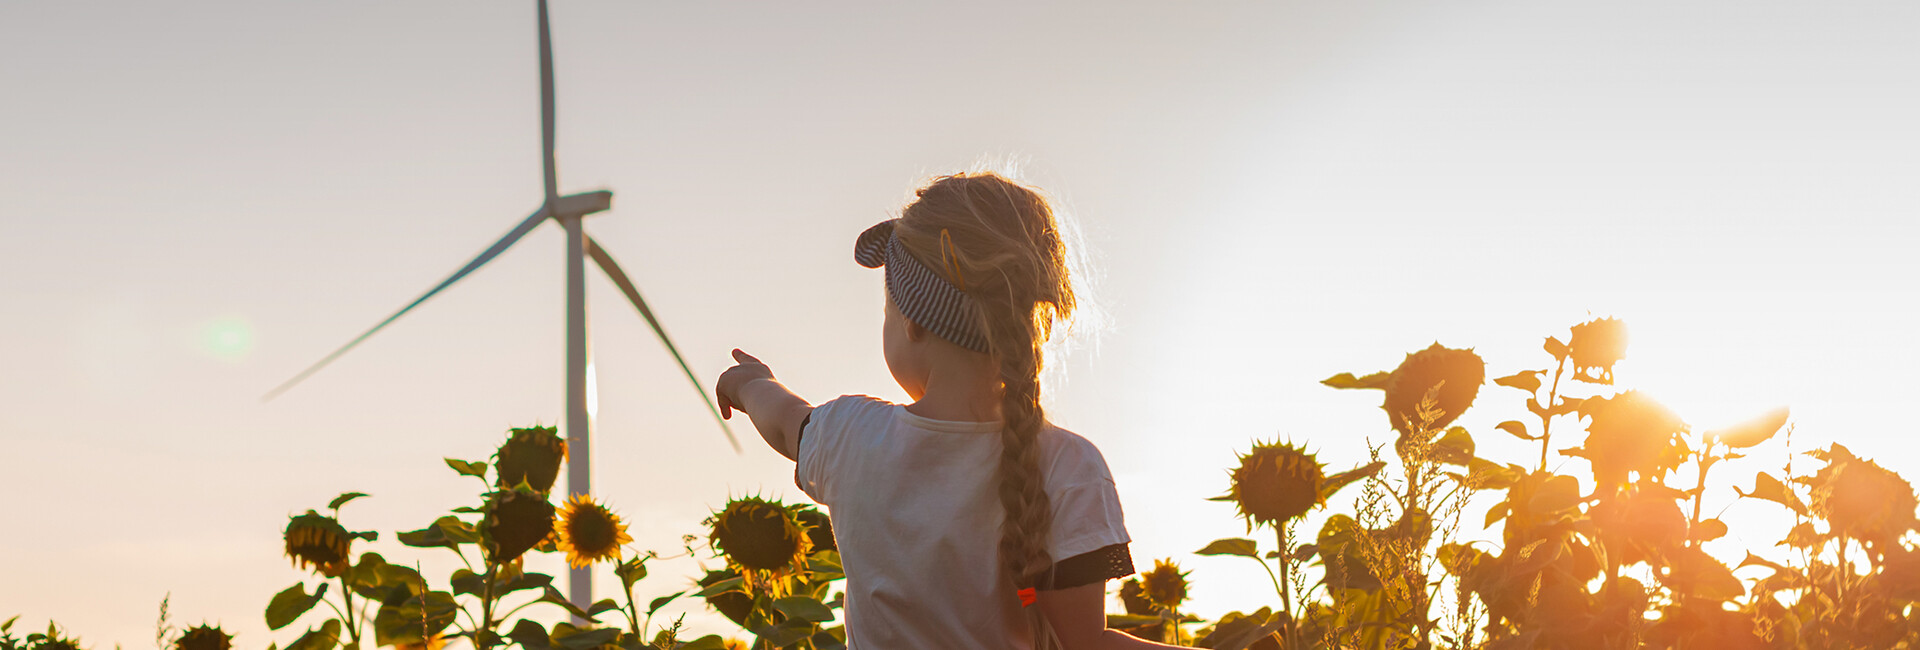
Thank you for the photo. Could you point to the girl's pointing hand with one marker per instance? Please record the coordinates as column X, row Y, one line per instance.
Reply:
column 745, row 370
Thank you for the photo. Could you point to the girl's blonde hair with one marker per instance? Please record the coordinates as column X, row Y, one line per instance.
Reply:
column 998, row 241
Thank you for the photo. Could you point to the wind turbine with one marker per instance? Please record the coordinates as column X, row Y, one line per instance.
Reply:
column 570, row 211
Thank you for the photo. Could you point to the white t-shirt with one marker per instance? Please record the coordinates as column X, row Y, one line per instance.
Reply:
column 916, row 514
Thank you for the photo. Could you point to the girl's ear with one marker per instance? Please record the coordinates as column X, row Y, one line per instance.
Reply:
column 915, row 332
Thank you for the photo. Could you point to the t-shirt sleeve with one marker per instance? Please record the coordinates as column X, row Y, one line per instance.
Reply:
column 824, row 443
column 1086, row 506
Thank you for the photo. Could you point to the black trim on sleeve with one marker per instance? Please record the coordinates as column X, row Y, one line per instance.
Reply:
column 1099, row 565
column 799, row 435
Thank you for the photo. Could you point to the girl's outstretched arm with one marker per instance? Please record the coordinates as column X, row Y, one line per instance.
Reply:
column 1079, row 618
column 749, row 386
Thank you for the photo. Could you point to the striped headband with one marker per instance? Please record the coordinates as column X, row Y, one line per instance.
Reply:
column 921, row 295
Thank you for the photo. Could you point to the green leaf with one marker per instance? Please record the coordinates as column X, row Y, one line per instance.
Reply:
column 1528, row 381
column 468, row 467
column 324, row 638
column 551, row 595
column 1768, row 488
column 1454, row 448
column 1554, row 347
column 1346, row 380
column 1754, row 431
column 1556, row 494
column 288, row 605
column 415, row 619
column 1517, row 429
column 343, row 499
column 708, row 642
column 1333, row 483
column 605, row 605
column 662, row 601
column 586, row 639
column 1496, row 513
column 448, row 532
column 804, row 608
column 522, row 582
column 1130, row 620
column 1231, row 546
column 788, row 632
column 1709, row 530
column 466, row 582
column 730, row 584
column 530, row 635
column 631, row 571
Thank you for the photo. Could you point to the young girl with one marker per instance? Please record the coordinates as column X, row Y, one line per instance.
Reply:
column 964, row 519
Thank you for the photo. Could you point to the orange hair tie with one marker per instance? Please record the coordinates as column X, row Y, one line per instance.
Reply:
column 951, row 257
column 1027, row 596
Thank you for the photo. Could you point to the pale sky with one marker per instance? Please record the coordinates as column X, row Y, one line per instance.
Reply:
column 198, row 199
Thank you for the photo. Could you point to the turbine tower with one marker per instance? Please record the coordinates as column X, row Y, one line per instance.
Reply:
column 569, row 211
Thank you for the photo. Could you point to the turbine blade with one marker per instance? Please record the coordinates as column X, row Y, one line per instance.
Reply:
column 485, row 256
column 620, row 279
column 546, row 105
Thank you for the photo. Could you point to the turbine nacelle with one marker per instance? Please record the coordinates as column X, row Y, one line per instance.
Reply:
column 579, row 205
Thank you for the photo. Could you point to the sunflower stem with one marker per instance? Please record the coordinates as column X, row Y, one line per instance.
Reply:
column 484, row 637
column 1281, row 530
column 346, row 595
column 1546, row 419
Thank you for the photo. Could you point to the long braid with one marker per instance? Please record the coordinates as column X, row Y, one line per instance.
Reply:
column 1015, row 263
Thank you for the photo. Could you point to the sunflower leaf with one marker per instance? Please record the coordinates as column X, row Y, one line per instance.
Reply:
column 662, row 601
column 523, row 582
column 530, row 635
column 584, row 639
column 1333, row 483
column 804, row 608
column 1516, row 428
column 1754, row 431
column 788, row 632
column 1768, row 488
column 724, row 586
column 1346, row 380
column 324, row 638
column 343, row 499
column 605, row 605
column 551, row 595
column 1528, row 381
column 288, row 605
column 631, row 571
column 1231, row 546
column 708, row 642
column 472, row 468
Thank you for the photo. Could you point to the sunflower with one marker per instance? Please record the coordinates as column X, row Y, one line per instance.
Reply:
column 819, row 527
column 1165, row 586
column 735, row 605
column 733, row 644
column 1457, row 373
column 316, row 540
column 1595, row 346
column 204, row 637
column 514, row 522
column 1862, row 499
column 1630, row 432
column 1275, row 483
column 589, row 532
column 761, row 539
column 532, row 455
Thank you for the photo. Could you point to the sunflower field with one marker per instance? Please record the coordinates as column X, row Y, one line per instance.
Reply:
column 1440, row 547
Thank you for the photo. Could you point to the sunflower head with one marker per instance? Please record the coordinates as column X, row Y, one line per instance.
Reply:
column 589, row 532
column 1861, row 499
column 1275, row 483
column 316, row 540
column 819, row 527
column 1165, row 586
column 533, row 455
column 204, row 637
column 1457, row 373
column 1630, row 432
column 735, row 605
column 515, row 521
column 1595, row 346
column 761, row 539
